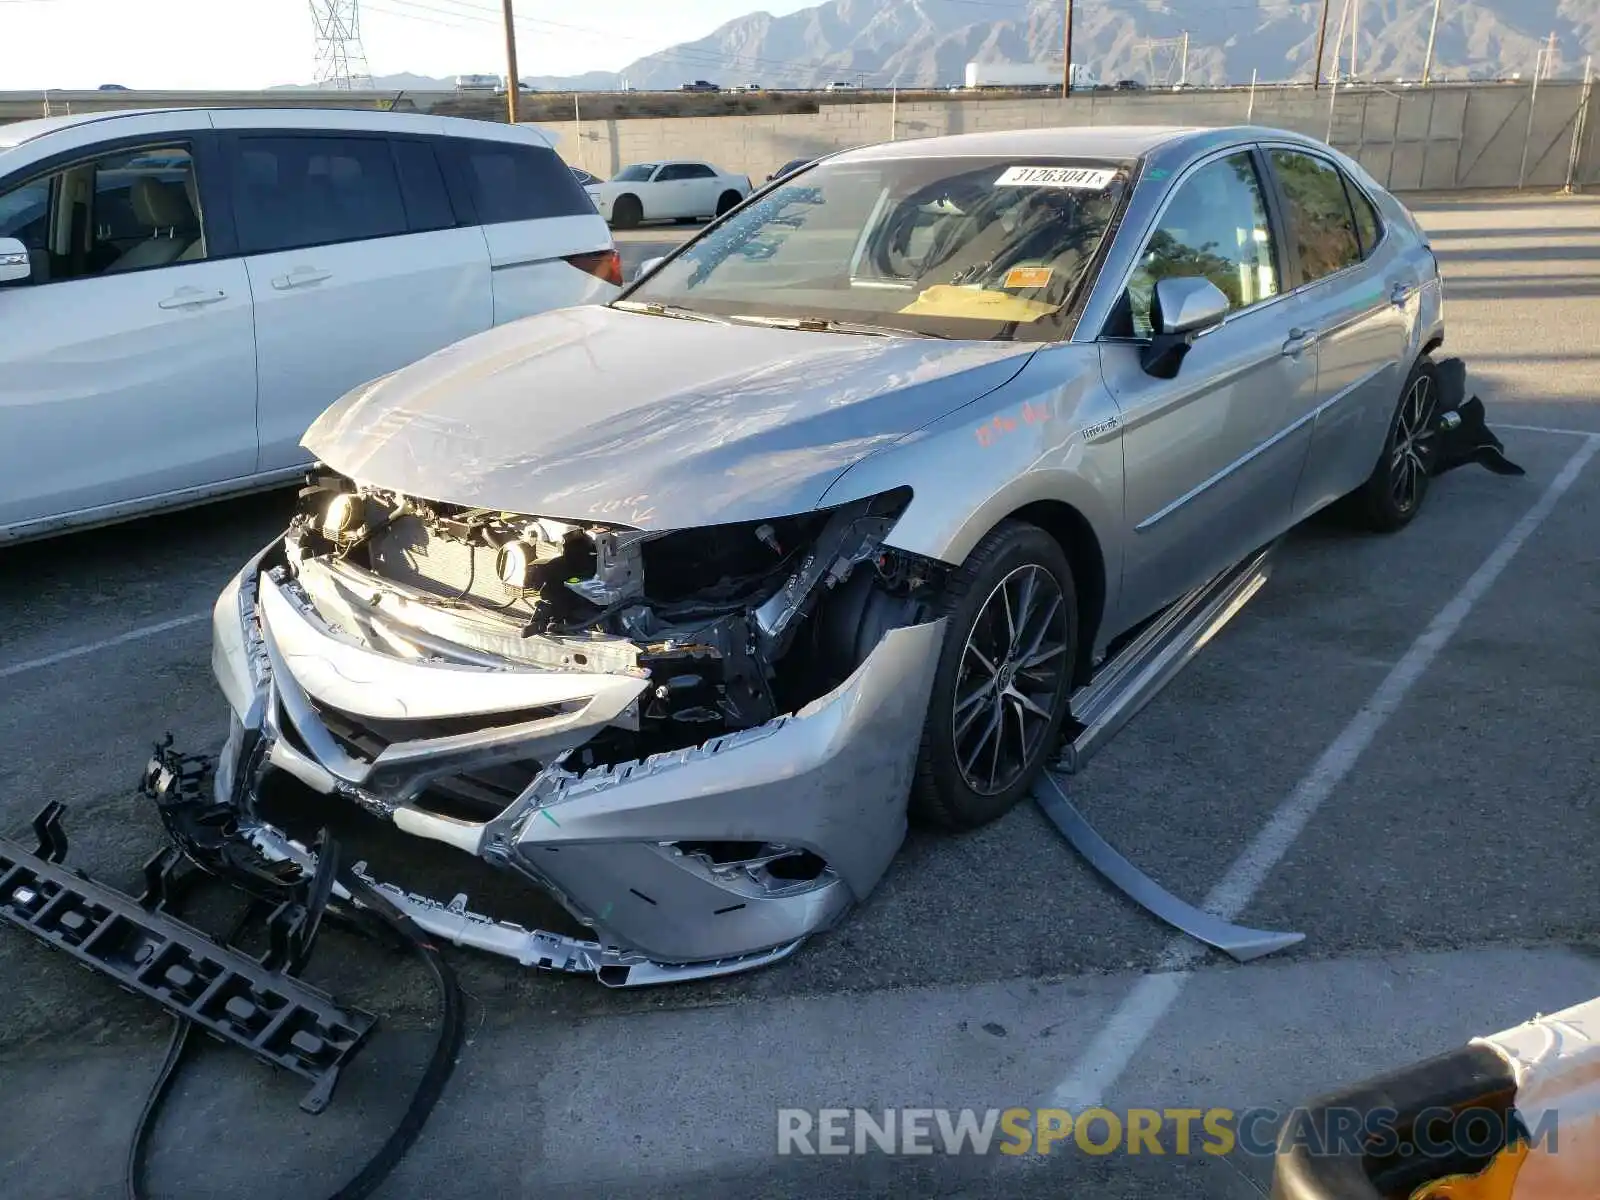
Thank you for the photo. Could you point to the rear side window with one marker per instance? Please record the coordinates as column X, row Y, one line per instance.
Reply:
column 422, row 184
column 1368, row 223
column 293, row 191
column 1320, row 219
column 510, row 182
column 685, row 171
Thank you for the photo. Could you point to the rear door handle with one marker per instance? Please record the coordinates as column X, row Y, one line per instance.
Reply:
column 188, row 297
column 300, row 277
column 1300, row 340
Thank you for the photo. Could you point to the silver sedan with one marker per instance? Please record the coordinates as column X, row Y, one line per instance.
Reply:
column 676, row 608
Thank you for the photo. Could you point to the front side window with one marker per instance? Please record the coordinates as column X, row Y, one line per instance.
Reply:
column 126, row 211
column 1319, row 213
column 1215, row 227
column 985, row 248
column 25, row 213
column 290, row 192
column 638, row 173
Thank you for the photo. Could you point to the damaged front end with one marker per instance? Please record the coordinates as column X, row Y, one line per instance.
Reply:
column 700, row 742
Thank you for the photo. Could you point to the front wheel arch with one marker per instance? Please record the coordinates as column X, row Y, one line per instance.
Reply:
column 1076, row 537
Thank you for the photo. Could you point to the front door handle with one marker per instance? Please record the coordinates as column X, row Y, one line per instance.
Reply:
column 1400, row 295
column 1300, row 340
column 188, row 297
column 300, row 277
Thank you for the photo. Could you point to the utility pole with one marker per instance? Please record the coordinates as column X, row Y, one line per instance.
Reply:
column 1183, row 71
column 1433, row 32
column 1355, row 36
column 1322, row 41
column 513, row 80
column 1066, row 56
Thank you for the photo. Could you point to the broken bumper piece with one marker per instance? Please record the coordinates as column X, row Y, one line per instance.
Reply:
column 697, row 862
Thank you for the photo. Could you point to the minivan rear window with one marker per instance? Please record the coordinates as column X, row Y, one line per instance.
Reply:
column 510, row 182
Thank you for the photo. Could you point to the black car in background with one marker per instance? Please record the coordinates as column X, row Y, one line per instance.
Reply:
column 790, row 167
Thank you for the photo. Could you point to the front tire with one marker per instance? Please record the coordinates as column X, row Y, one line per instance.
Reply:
column 726, row 202
column 1001, row 689
column 1393, row 494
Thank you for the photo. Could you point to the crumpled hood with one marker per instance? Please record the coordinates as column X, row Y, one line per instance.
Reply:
column 604, row 415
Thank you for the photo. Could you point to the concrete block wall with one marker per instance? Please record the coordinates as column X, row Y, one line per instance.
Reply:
column 1435, row 138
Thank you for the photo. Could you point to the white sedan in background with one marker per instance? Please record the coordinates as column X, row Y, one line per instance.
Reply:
column 667, row 191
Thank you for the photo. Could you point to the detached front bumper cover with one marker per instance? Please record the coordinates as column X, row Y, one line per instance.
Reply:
column 615, row 845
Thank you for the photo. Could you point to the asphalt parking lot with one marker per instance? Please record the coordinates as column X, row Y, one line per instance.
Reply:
column 1392, row 750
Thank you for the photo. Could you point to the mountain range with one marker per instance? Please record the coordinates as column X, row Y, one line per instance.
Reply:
column 927, row 43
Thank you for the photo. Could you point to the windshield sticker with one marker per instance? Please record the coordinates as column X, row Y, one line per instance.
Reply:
column 1028, row 277
column 1088, row 179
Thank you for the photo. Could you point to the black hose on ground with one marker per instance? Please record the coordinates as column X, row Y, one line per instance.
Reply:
column 429, row 1089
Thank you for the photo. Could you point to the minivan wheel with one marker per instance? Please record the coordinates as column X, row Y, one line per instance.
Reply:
column 1001, row 689
column 1393, row 494
column 627, row 212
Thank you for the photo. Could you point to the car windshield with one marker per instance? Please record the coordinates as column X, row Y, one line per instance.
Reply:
column 981, row 247
column 637, row 173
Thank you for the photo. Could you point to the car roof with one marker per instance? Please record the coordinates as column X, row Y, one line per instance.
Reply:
column 1114, row 142
column 19, row 132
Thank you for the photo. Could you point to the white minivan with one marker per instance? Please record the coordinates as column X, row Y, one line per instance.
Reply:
column 183, row 291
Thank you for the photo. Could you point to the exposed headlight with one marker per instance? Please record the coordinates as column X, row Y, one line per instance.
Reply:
column 342, row 515
column 514, row 564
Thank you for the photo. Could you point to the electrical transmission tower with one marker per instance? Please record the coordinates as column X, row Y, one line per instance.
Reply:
column 1166, row 60
column 341, row 62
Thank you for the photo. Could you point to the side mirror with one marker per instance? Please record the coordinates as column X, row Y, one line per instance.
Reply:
column 1187, row 304
column 1182, row 308
column 15, row 266
column 649, row 264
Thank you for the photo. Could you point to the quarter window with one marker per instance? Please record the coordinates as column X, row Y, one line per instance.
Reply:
column 290, row 192
column 1216, row 227
column 1367, row 223
column 1319, row 214
column 512, row 182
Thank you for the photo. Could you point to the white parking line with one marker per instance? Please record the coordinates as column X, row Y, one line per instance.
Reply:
column 1114, row 1047
column 133, row 635
column 1583, row 433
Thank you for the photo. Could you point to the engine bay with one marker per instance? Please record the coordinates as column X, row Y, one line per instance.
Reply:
column 732, row 625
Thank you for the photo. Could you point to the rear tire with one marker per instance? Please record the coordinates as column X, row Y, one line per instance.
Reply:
column 626, row 213
column 1004, row 679
column 727, row 201
column 1393, row 494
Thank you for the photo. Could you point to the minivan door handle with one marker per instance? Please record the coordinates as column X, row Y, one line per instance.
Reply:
column 1300, row 340
column 300, row 277
column 188, row 297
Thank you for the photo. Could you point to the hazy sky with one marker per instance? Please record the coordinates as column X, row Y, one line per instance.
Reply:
column 255, row 43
